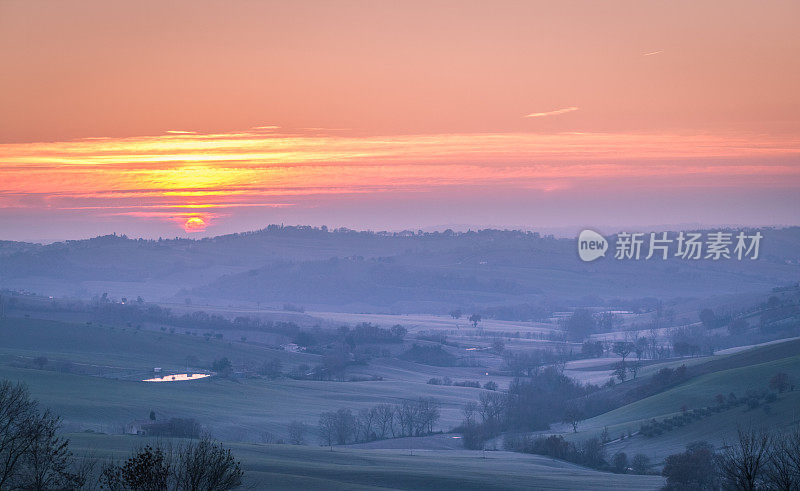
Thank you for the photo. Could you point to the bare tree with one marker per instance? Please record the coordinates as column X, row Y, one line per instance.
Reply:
column 385, row 420
column 792, row 444
column 19, row 429
column 365, row 424
column 203, row 465
column 407, row 417
column 32, row 454
column 83, row 470
column 573, row 415
column 469, row 410
column 345, row 426
column 492, row 406
column 782, row 471
column 47, row 463
column 640, row 346
column 427, row 415
column 327, row 428
column 471, row 431
column 743, row 462
column 206, row 466
column 623, row 349
column 653, row 343
column 297, row 433
column 267, row 437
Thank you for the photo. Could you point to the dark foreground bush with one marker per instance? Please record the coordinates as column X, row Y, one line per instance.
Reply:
column 203, row 465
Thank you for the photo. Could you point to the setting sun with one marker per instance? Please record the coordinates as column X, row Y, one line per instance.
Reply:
column 194, row 224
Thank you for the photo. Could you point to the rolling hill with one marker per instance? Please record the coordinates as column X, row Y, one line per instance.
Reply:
column 302, row 467
column 361, row 271
column 747, row 371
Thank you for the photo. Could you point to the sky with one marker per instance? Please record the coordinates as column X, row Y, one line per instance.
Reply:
column 196, row 118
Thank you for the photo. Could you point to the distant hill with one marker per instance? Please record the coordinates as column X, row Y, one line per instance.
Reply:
column 363, row 271
column 493, row 268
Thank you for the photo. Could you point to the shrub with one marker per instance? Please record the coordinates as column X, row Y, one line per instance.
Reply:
column 198, row 465
column 640, row 463
column 297, row 433
column 780, row 382
column 692, row 469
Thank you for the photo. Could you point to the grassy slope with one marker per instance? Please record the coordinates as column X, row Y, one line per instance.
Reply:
column 698, row 392
column 735, row 373
column 292, row 467
column 702, row 366
column 234, row 409
column 715, row 429
column 126, row 347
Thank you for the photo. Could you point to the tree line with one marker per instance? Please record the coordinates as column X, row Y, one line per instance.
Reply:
column 530, row 404
column 409, row 418
column 589, row 453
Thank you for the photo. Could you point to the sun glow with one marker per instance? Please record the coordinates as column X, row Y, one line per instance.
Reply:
column 194, row 179
column 194, row 224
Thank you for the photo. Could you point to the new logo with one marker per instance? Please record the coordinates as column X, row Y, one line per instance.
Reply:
column 591, row 245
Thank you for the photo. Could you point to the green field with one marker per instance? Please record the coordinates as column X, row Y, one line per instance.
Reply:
column 306, row 467
column 230, row 409
column 235, row 409
column 251, row 410
column 127, row 347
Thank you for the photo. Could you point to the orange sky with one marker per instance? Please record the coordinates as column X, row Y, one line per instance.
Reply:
column 153, row 118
